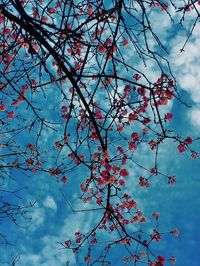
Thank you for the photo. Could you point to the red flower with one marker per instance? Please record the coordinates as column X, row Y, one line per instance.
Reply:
column 51, row 10
column 6, row 31
column 94, row 136
column 137, row 77
column 11, row 115
column 161, row 259
column 68, row 243
column 124, row 172
column 135, row 136
column 24, row 88
column 108, row 166
column 2, row 107
column 124, row 160
column 29, row 161
column 132, row 146
column 130, row 204
column 181, row 147
column 64, row 180
column 108, row 41
column 125, row 42
column 101, row 49
column 1, row 19
column 169, row 116
column 33, row 82
column 38, row 164
column 120, row 128
column 194, row 155
column 15, row 102
column 99, row 114
column 175, row 232
column 188, row 140
column 122, row 182
column 64, row 108
column 120, row 149
column 88, row 259
column 99, row 201
column 132, row 116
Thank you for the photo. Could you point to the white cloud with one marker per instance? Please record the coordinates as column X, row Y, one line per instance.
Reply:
column 49, row 202
column 37, row 218
column 186, row 68
column 29, row 259
column 51, row 252
column 194, row 116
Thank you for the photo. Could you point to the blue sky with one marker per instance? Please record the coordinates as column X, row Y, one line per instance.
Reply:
column 36, row 241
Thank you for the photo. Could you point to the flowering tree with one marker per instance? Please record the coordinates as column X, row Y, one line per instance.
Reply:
column 72, row 70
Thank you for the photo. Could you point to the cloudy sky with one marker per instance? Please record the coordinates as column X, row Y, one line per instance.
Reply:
column 36, row 241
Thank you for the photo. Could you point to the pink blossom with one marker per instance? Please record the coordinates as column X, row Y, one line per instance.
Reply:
column 124, row 160
column 3, row 107
column 181, row 147
column 94, row 136
column 51, row 10
column 137, row 77
column 141, row 91
column 1, row 19
column 38, row 164
column 93, row 241
column 172, row 180
column 125, row 42
column 99, row 200
column 152, row 144
column 11, row 115
column 132, row 116
column 99, row 114
column 120, row 149
column 29, row 161
column 44, row 19
column 6, row 31
column 130, row 204
column 132, row 146
column 161, row 259
column 169, row 116
column 120, row 128
column 88, row 259
column 135, row 136
column 68, row 243
column 122, row 182
column 108, row 166
column 144, row 182
column 30, row 146
column 124, row 172
column 156, row 236
column 8, row 57
column 101, row 49
column 64, row 108
column 58, row 145
column 108, row 41
column 15, row 102
column 33, row 82
column 175, row 232
column 24, row 88
column 194, row 155
column 188, row 140
column 64, row 179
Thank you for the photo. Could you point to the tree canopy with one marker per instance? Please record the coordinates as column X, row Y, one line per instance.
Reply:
column 86, row 93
